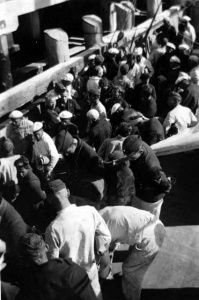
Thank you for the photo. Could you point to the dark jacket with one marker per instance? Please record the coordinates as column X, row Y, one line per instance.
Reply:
column 98, row 132
column 51, row 121
column 12, row 226
column 151, row 183
column 71, row 105
column 57, row 279
column 151, row 131
column 29, row 197
column 121, row 188
column 190, row 97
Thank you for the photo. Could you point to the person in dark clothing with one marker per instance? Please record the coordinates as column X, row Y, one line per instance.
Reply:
column 79, row 82
column 183, row 54
column 31, row 194
column 163, row 63
column 111, row 63
column 56, row 279
column 116, row 117
column 147, row 104
column 106, row 91
column 150, row 181
column 188, row 91
column 150, row 130
column 121, row 188
column 167, row 30
column 99, row 129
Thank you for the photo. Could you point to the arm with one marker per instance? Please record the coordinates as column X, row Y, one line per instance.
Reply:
column 102, row 233
column 167, row 122
column 52, row 239
column 53, row 153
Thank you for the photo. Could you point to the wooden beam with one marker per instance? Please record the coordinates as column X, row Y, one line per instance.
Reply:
column 36, row 86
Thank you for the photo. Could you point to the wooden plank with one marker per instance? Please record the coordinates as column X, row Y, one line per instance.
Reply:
column 36, row 86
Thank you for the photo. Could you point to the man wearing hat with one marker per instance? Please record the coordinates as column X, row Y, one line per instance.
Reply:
column 144, row 64
column 189, row 35
column 93, row 81
column 179, row 115
column 30, row 194
column 144, row 234
column 194, row 69
column 94, row 99
column 167, row 30
column 151, row 181
column 72, row 233
column 188, row 91
column 111, row 62
column 56, row 279
column 44, row 152
column 99, row 129
column 183, row 54
column 19, row 130
column 163, row 63
column 88, row 70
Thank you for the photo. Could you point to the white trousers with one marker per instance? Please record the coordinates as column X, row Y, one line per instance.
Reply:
column 94, row 278
column 139, row 259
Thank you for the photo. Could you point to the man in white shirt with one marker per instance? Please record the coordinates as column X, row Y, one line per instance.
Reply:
column 143, row 233
column 74, row 231
column 94, row 98
column 180, row 115
column 44, row 153
column 189, row 33
column 144, row 64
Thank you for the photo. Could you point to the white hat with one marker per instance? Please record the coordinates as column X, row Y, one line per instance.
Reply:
column 182, row 76
column 65, row 114
column 115, row 108
column 184, row 46
column 171, row 45
column 186, row 18
column 175, row 59
column 92, row 56
column 138, row 51
column 37, row 126
column 68, row 77
column 93, row 114
column 113, row 51
column 15, row 114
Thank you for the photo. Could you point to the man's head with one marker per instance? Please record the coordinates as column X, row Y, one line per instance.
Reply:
column 145, row 78
column 67, row 79
column 132, row 117
column 185, row 20
column 175, row 62
column 124, row 129
column 93, row 115
column 132, row 147
column 22, row 165
column 94, row 96
column 65, row 117
column 7, row 147
column 174, row 99
column 16, row 117
column 116, row 108
column 91, row 60
column 183, row 81
column 51, row 98
column 124, row 69
column 38, row 130
column 170, row 48
column 99, row 59
column 113, row 52
column 57, row 194
column 138, row 54
column 32, row 249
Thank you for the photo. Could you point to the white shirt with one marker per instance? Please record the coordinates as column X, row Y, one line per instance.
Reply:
column 93, row 83
column 72, row 234
column 134, row 74
column 145, row 63
column 8, row 171
column 183, row 117
column 129, row 225
column 50, row 148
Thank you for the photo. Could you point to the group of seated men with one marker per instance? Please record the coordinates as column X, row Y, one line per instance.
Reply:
column 90, row 146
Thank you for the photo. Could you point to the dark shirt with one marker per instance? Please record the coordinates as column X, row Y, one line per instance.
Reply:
column 57, row 279
column 168, row 31
column 190, row 97
column 51, row 121
column 98, row 132
column 151, row 182
column 151, row 131
column 71, row 105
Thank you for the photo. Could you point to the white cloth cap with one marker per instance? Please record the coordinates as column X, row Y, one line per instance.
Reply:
column 113, row 51
column 37, row 126
column 138, row 51
column 115, row 108
column 184, row 46
column 68, row 77
column 171, row 45
column 186, row 18
column 65, row 114
column 92, row 56
column 15, row 114
column 175, row 59
column 182, row 76
column 93, row 114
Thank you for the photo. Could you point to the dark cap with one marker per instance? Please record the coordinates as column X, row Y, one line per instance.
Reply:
column 145, row 76
column 124, row 69
column 22, row 162
column 31, row 246
column 132, row 144
column 63, row 141
column 175, row 96
column 55, row 186
column 124, row 129
column 95, row 92
column 99, row 59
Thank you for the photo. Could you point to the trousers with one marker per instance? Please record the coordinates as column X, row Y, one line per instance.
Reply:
column 94, row 278
column 140, row 257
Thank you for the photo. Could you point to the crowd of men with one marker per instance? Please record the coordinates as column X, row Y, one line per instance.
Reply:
column 81, row 177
